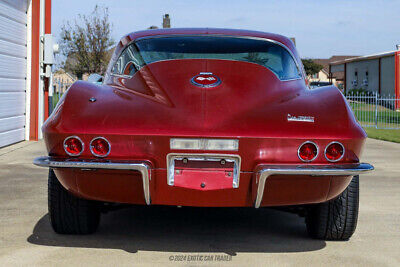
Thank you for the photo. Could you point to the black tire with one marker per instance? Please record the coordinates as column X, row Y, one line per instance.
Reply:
column 69, row 214
column 337, row 218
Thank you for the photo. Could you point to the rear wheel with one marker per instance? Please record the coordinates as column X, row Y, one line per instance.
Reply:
column 335, row 219
column 69, row 214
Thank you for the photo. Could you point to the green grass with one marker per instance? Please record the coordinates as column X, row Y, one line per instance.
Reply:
column 387, row 118
column 370, row 107
column 366, row 113
column 384, row 134
column 56, row 98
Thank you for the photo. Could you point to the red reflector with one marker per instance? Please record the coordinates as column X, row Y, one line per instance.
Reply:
column 334, row 151
column 308, row 151
column 100, row 147
column 73, row 146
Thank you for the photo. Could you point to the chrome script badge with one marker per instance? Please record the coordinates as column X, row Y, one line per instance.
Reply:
column 300, row 118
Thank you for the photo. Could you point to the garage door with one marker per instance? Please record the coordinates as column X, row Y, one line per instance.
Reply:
column 12, row 71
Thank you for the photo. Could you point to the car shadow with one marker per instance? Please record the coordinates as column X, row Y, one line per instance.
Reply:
column 157, row 228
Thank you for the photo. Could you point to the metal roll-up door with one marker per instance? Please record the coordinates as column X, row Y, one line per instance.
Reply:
column 13, row 25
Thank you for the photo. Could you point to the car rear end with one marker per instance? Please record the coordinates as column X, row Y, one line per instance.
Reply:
column 209, row 172
column 206, row 121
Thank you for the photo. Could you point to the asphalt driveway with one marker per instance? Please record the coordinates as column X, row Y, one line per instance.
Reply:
column 190, row 236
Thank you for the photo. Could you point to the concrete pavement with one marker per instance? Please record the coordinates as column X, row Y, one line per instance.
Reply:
column 196, row 237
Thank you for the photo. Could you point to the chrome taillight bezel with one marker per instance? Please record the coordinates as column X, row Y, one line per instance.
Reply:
column 341, row 157
column 80, row 140
column 97, row 155
column 308, row 142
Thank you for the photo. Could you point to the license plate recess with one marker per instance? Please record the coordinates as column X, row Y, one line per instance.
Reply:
column 203, row 171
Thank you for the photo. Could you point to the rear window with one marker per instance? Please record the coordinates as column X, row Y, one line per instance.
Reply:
column 262, row 52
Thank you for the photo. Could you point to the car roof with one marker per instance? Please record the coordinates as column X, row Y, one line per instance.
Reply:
column 204, row 31
column 201, row 31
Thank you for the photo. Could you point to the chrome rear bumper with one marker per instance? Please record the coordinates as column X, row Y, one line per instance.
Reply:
column 143, row 167
column 261, row 173
column 265, row 171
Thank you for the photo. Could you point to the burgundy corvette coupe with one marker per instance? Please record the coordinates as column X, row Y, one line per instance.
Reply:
column 206, row 118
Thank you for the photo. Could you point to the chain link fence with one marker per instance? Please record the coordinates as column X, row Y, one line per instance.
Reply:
column 374, row 110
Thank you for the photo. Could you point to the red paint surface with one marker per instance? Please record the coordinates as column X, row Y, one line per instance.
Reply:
column 139, row 115
column 203, row 175
column 34, row 114
column 203, row 179
column 47, row 22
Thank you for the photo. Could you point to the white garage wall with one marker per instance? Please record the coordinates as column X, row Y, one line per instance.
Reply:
column 13, row 50
column 21, row 5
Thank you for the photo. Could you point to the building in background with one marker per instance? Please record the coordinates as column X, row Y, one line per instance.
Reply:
column 26, row 57
column 62, row 80
column 378, row 73
column 323, row 75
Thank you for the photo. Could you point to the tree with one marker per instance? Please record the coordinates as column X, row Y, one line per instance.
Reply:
column 86, row 43
column 311, row 67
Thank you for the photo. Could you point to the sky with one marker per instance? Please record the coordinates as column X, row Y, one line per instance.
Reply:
column 322, row 28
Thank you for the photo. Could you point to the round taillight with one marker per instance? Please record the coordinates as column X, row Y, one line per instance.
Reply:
column 73, row 146
column 334, row 151
column 100, row 147
column 308, row 151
